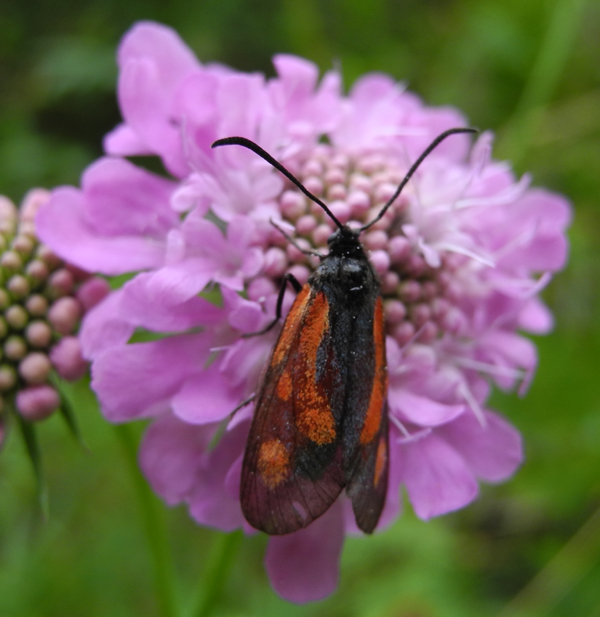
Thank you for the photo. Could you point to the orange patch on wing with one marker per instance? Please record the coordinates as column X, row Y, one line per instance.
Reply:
column 318, row 425
column 284, row 387
column 273, row 463
column 315, row 419
column 290, row 326
column 380, row 461
column 380, row 379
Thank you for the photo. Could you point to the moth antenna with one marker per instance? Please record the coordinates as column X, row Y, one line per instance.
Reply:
column 436, row 142
column 247, row 143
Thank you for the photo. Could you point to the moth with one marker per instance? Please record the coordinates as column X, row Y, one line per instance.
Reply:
column 320, row 422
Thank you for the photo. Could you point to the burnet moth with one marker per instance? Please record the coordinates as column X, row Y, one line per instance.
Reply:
column 320, row 421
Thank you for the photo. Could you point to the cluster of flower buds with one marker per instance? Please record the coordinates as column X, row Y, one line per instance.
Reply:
column 42, row 301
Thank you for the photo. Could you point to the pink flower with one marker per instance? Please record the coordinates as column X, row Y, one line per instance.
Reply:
column 462, row 256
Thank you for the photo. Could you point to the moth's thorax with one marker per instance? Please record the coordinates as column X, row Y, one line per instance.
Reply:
column 346, row 270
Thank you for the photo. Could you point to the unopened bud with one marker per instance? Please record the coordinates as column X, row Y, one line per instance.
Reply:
column 23, row 245
column 64, row 314
column 16, row 316
column 37, row 402
column 11, row 261
column 8, row 378
column 37, row 270
column 34, row 368
column 37, row 305
column 67, row 359
column 15, row 348
column 92, row 291
column 18, row 286
column 48, row 257
column 38, row 334
column 61, row 282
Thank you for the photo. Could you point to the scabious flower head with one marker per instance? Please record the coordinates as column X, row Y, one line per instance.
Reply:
column 462, row 256
column 42, row 300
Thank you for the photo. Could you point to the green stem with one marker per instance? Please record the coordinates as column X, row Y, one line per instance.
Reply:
column 220, row 562
column 543, row 80
column 28, row 431
column 560, row 574
column 154, row 526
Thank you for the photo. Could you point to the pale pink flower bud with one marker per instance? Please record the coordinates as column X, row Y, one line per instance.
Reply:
column 18, row 286
column 8, row 378
column 293, row 204
column 35, row 367
column 38, row 333
column 37, row 403
column 11, row 261
column 260, row 288
column 37, row 305
column 23, row 244
column 15, row 348
column 67, row 359
column 37, row 270
column 61, row 282
column 64, row 314
column 16, row 316
column 92, row 291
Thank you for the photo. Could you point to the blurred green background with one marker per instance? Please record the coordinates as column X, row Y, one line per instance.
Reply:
column 530, row 71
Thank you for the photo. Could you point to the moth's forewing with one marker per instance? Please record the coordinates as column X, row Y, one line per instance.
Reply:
column 367, row 488
column 366, row 426
column 292, row 470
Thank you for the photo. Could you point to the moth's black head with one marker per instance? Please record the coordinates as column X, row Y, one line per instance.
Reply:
column 344, row 241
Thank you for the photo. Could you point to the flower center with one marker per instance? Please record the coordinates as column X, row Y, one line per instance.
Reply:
column 418, row 298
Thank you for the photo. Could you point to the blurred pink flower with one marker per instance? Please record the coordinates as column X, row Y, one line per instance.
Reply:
column 462, row 256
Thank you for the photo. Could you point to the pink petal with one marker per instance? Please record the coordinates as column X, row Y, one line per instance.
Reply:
column 148, row 112
column 509, row 350
column 421, row 410
column 61, row 224
column 436, row 477
column 124, row 141
column 535, row 317
column 240, row 102
column 234, row 475
column 121, row 199
column 154, row 62
column 172, row 56
column 298, row 77
column 304, row 566
column 206, row 237
column 145, row 308
column 103, row 327
column 172, row 285
column 137, row 380
column 492, row 452
column 245, row 360
column 171, row 454
column 210, row 501
column 393, row 501
column 243, row 315
column 207, row 397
